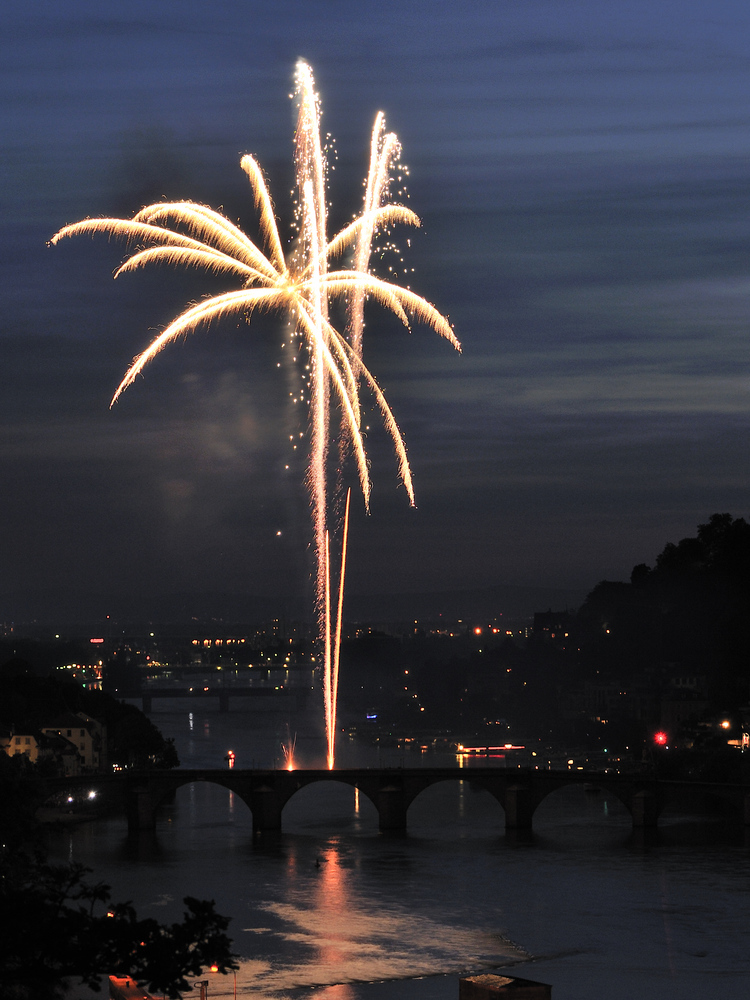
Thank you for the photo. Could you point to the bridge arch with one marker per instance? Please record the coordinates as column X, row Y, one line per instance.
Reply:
column 393, row 790
column 201, row 799
column 571, row 807
column 600, row 785
column 713, row 802
column 331, row 802
column 146, row 794
column 455, row 803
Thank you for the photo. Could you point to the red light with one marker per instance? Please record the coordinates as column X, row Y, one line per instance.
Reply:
column 96, row 641
column 660, row 738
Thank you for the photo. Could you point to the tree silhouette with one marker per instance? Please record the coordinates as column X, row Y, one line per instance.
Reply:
column 63, row 928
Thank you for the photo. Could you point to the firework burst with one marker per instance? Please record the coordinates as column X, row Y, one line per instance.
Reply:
column 302, row 285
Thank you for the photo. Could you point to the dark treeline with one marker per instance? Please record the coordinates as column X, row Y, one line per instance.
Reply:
column 689, row 612
column 66, row 929
column 29, row 702
column 670, row 648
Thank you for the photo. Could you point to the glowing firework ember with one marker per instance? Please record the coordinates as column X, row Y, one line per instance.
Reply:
column 288, row 749
column 303, row 286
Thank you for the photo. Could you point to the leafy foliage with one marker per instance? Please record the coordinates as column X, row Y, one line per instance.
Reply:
column 60, row 927
column 22, row 791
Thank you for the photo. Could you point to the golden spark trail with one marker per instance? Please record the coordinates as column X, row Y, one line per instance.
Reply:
column 330, row 713
column 385, row 151
column 311, row 169
column 337, row 640
column 302, row 286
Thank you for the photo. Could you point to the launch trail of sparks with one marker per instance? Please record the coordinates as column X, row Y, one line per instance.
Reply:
column 288, row 749
column 302, row 285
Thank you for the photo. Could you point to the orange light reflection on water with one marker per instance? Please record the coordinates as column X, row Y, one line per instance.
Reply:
column 341, row 991
column 333, row 901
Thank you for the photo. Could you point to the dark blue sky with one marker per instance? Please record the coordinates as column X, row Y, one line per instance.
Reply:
column 582, row 172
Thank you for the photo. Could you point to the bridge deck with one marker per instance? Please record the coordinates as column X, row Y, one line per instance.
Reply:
column 392, row 790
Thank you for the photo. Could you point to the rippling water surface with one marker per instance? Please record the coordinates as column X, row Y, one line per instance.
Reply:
column 333, row 905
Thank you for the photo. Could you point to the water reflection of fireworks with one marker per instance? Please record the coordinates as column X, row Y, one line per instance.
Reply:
column 304, row 286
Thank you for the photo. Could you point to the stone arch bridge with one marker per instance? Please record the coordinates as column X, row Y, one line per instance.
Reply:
column 392, row 790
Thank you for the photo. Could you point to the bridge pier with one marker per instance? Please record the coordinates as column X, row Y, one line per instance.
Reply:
column 519, row 807
column 392, row 790
column 644, row 808
column 140, row 807
column 391, row 806
column 266, row 806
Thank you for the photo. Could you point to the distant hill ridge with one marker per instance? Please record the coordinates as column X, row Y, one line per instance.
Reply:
column 187, row 611
column 476, row 603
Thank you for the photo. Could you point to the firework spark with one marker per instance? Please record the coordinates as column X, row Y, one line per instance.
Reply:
column 303, row 286
column 288, row 749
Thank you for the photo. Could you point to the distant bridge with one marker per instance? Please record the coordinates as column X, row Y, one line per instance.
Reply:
column 266, row 698
column 392, row 791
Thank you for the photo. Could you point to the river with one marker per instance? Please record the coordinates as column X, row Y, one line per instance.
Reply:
column 333, row 905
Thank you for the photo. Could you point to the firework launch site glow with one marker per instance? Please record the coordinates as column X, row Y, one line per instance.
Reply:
column 302, row 285
column 288, row 749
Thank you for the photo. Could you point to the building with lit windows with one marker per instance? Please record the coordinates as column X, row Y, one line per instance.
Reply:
column 86, row 735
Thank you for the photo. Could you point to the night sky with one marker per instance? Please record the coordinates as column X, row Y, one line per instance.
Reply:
column 581, row 169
